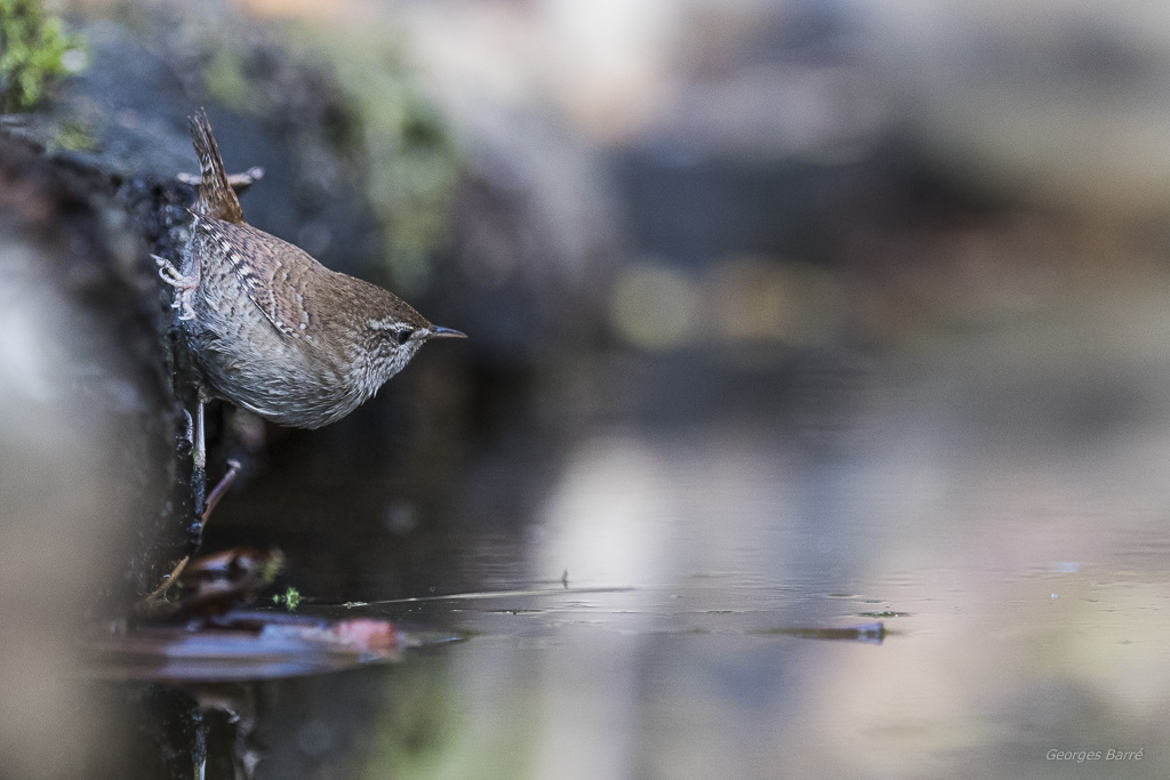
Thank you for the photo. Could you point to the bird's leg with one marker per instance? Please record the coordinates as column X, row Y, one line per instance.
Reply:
column 200, row 443
column 220, row 488
column 196, row 435
column 184, row 284
column 200, row 470
column 199, row 473
column 213, row 499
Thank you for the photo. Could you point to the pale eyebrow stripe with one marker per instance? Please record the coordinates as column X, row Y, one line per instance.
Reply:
column 382, row 325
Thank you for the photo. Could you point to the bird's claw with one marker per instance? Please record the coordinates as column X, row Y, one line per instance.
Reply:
column 184, row 285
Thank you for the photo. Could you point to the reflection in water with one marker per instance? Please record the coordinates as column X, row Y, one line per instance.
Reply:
column 1018, row 566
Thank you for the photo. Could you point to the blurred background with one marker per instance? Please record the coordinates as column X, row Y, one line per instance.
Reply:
column 783, row 316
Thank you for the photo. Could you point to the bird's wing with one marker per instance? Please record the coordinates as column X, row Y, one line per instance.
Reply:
column 270, row 270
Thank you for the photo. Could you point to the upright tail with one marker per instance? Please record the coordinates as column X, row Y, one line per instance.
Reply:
column 216, row 198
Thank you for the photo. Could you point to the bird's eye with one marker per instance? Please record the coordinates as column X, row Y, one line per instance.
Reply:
column 403, row 335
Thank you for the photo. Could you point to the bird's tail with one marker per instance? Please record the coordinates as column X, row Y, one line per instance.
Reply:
column 216, row 197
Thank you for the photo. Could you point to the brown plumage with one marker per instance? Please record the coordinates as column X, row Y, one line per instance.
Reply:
column 273, row 330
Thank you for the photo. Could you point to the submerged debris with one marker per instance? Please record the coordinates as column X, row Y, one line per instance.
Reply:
column 870, row 632
column 209, row 633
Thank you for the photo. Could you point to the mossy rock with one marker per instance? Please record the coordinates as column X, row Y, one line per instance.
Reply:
column 33, row 54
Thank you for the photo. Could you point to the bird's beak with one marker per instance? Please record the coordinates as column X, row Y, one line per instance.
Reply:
column 439, row 332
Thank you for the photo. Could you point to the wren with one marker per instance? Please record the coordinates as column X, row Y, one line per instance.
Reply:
column 271, row 329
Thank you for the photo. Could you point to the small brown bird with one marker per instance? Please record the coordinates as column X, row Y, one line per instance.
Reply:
column 272, row 330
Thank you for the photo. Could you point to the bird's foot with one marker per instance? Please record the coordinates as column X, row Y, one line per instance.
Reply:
column 184, row 284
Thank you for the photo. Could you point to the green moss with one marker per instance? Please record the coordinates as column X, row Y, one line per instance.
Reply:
column 33, row 54
column 291, row 599
column 225, row 79
column 376, row 121
column 273, row 565
column 410, row 162
column 75, row 137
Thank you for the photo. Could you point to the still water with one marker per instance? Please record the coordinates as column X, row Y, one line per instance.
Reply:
column 694, row 596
